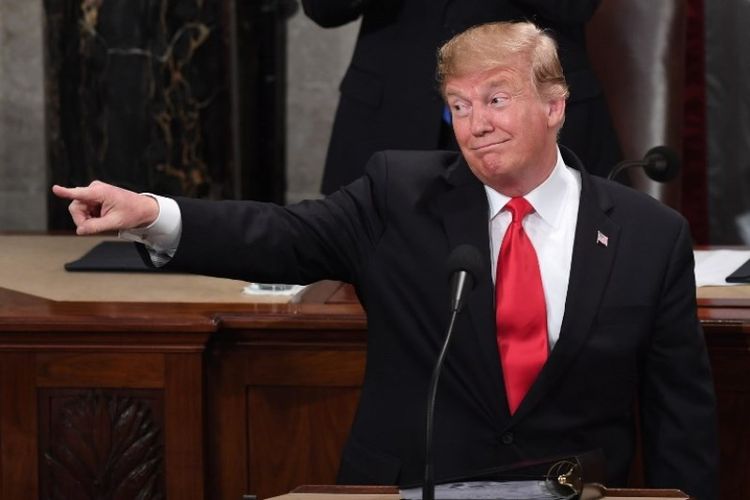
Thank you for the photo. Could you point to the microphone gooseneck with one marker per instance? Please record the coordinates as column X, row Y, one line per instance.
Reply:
column 464, row 265
column 660, row 163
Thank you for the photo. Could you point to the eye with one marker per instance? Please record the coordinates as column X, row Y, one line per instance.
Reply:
column 499, row 100
column 459, row 109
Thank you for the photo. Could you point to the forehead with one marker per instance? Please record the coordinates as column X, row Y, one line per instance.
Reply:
column 505, row 78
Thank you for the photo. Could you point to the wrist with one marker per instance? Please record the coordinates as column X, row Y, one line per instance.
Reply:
column 150, row 211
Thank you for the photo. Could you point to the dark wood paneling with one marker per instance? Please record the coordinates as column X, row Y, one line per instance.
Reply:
column 296, row 435
column 100, row 370
column 18, row 426
column 227, row 425
column 695, row 182
column 300, row 405
column 281, row 385
column 280, row 408
column 734, row 408
column 731, row 369
column 183, row 402
column 305, row 366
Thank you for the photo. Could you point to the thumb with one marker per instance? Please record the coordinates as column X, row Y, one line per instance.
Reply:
column 95, row 225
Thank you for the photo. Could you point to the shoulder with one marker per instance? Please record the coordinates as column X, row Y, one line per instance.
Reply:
column 629, row 203
column 413, row 160
column 412, row 180
column 411, row 168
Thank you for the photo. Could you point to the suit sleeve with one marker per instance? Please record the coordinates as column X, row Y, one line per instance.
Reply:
column 331, row 238
column 332, row 13
column 562, row 11
column 677, row 402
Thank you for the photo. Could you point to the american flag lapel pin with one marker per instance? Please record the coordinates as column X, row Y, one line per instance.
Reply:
column 601, row 239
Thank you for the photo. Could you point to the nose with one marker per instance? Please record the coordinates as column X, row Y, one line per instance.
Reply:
column 480, row 122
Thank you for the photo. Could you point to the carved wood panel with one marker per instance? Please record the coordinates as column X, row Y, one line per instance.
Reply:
column 101, row 443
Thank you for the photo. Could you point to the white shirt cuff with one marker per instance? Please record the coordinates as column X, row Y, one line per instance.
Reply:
column 161, row 237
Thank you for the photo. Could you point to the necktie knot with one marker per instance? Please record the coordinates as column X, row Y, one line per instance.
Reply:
column 519, row 208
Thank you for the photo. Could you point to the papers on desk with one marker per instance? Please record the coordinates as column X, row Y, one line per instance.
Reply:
column 277, row 289
column 713, row 266
column 476, row 490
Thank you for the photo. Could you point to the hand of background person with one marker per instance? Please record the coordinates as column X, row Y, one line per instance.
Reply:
column 102, row 207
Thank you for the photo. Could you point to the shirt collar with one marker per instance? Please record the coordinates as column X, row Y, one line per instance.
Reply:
column 547, row 199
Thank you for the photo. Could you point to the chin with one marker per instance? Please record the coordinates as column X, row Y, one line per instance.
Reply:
column 497, row 168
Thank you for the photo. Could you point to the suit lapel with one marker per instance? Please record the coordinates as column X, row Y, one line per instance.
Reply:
column 589, row 274
column 464, row 211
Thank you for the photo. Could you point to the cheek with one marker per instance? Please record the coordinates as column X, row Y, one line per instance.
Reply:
column 460, row 131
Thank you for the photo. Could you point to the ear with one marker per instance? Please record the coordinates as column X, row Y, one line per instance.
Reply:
column 555, row 112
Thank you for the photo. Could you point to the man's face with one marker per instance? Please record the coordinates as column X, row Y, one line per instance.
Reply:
column 506, row 131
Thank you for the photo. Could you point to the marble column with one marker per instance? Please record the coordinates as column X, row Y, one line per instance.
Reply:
column 104, row 56
column 138, row 96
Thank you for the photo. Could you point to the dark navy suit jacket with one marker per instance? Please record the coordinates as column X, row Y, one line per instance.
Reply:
column 629, row 330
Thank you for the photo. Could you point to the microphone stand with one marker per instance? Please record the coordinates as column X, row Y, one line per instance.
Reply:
column 622, row 166
column 428, row 487
column 660, row 163
column 466, row 264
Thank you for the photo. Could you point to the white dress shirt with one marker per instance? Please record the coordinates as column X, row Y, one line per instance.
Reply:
column 551, row 229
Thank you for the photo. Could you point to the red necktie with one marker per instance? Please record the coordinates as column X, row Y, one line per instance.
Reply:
column 520, row 314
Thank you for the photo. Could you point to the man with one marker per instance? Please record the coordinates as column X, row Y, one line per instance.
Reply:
column 599, row 280
column 393, row 69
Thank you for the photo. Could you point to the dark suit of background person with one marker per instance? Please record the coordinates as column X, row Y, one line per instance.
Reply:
column 389, row 96
column 629, row 328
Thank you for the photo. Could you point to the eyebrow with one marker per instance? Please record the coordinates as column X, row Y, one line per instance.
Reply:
column 448, row 94
column 503, row 84
column 491, row 86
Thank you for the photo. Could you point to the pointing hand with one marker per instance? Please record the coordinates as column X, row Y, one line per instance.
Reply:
column 102, row 207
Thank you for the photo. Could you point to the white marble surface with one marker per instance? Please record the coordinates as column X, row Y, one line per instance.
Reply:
column 22, row 142
column 316, row 60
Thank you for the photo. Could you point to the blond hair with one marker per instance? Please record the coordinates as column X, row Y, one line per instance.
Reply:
column 500, row 44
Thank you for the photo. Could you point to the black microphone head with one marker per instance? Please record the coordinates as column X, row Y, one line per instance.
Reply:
column 465, row 258
column 661, row 164
column 465, row 266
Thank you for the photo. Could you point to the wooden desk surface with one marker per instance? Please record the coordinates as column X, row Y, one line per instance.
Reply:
column 37, row 294
column 35, row 286
column 33, row 264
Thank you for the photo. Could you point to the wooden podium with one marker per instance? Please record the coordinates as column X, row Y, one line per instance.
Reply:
column 166, row 385
column 208, row 393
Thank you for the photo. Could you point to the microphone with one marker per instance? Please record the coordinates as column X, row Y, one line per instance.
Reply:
column 661, row 164
column 464, row 265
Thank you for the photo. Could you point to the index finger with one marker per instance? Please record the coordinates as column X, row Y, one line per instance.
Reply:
column 77, row 193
